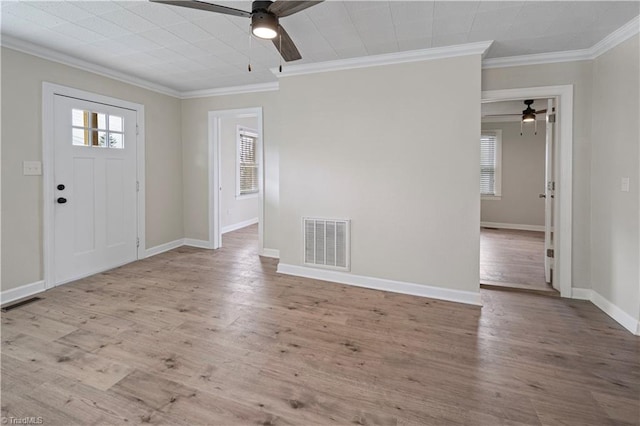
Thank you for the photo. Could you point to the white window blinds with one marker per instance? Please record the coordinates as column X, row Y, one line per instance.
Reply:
column 247, row 162
column 488, row 164
column 491, row 164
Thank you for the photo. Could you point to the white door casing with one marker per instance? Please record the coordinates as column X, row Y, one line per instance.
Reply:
column 102, row 224
column 549, row 193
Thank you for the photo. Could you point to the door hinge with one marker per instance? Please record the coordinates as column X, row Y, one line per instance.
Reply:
column 137, row 242
column 552, row 118
column 550, row 253
column 137, row 129
column 551, row 186
column 137, row 186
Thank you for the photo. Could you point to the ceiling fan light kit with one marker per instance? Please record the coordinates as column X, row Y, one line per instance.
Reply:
column 265, row 20
column 528, row 116
column 535, row 125
column 264, row 24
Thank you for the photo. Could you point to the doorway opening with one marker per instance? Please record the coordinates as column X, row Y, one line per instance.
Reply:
column 236, row 206
column 515, row 249
column 557, row 183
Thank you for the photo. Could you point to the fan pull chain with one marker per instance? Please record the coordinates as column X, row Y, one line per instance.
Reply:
column 521, row 124
column 280, row 34
column 249, row 66
column 535, row 126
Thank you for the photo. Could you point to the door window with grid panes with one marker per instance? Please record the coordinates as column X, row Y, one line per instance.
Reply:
column 96, row 129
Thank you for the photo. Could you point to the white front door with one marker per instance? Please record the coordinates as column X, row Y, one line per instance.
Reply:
column 95, row 187
column 549, row 196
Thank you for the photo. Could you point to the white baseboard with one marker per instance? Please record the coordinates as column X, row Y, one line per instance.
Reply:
column 581, row 293
column 197, row 243
column 467, row 297
column 239, row 225
column 164, row 247
column 21, row 292
column 275, row 253
column 517, row 226
column 192, row 242
column 623, row 318
column 620, row 316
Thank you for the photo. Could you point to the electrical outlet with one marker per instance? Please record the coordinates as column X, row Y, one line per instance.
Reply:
column 624, row 184
column 32, row 168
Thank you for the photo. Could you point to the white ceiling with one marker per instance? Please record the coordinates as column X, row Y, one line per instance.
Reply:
column 185, row 49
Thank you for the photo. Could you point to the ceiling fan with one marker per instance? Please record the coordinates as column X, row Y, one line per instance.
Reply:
column 528, row 115
column 265, row 17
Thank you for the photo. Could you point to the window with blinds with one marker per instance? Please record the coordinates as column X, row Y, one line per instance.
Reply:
column 247, row 162
column 490, row 157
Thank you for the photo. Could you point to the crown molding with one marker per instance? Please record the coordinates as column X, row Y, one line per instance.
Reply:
column 620, row 35
column 386, row 59
column 55, row 56
column 537, row 59
column 61, row 58
column 234, row 90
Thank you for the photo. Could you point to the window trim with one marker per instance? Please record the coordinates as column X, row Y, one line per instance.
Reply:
column 497, row 186
column 242, row 130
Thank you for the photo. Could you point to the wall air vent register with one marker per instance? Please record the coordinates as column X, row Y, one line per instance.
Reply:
column 326, row 243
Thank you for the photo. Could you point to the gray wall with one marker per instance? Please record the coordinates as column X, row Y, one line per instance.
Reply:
column 385, row 147
column 523, row 166
column 22, row 214
column 615, row 240
column 346, row 151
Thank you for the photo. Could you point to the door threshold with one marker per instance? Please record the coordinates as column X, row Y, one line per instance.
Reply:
column 521, row 288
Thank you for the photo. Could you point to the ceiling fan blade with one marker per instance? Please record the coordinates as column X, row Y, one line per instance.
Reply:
column 286, row 46
column 201, row 5
column 502, row 115
column 282, row 8
column 541, row 111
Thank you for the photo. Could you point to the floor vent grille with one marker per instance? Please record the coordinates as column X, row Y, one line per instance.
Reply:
column 326, row 243
column 19, row 304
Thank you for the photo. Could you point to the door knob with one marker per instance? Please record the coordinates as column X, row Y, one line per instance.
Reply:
column 542, row 196
column 60, row 187
column 61, row 200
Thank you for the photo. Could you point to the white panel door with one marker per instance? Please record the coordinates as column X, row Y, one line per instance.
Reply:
column 95, row 187
column 549, row 196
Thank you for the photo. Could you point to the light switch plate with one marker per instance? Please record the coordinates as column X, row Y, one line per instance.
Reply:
column 624, row 184
column 32, row 168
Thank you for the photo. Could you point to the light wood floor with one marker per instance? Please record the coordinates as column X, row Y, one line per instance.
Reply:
column 513, row 259
column 199, row 337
